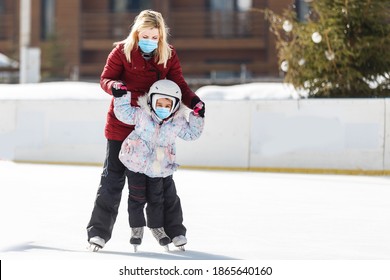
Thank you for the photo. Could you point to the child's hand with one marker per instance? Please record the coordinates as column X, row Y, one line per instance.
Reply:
column 199, row 109
column 118, row 89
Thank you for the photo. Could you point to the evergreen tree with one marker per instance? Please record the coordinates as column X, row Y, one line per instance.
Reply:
column 341, row 50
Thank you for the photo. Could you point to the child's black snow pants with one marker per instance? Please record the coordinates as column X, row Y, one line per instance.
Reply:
column 142, row 190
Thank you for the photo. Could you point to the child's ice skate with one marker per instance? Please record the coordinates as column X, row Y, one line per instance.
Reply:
column 161, row 237
column 136, row 237
column 96, row 243
column 179, row 241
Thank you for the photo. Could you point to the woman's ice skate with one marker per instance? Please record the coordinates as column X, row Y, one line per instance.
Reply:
column 161, row 237
column 136, row 237
column 179, row 241
column 96, row 243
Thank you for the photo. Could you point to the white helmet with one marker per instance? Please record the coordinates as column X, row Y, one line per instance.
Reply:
column 165, row 89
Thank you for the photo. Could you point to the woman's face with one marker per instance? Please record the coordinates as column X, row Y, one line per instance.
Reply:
column 149, row 33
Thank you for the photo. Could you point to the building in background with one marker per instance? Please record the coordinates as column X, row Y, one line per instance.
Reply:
column 215, row 39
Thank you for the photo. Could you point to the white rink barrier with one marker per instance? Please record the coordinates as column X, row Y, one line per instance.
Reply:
column 63, row 131
column 319, row 135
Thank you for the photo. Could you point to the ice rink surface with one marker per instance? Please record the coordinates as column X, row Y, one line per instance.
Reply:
column 44, row 210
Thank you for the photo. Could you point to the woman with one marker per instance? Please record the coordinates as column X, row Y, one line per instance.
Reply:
column 134, row 65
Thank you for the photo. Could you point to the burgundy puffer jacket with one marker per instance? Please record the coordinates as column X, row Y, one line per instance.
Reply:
column 138, row 76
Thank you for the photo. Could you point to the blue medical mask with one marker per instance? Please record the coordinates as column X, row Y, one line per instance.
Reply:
column 162, row 113
column 147, row 45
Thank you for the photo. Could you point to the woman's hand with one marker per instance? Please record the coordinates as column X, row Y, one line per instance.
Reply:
column 118, row 89
column 198, row 106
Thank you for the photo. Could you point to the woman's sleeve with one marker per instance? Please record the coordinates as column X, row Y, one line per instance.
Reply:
column 175, row 73
column 113, row 70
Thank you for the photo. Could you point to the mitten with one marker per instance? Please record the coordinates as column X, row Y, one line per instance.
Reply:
column 199, row 109
column 118, row 89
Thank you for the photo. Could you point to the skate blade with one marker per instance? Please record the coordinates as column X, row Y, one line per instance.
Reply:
column 93, row 248
column 166, row 248
column 135, row 248
column 181, row 248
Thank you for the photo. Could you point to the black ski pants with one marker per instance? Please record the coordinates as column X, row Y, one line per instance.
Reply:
column 144, row 189
column 109, row 195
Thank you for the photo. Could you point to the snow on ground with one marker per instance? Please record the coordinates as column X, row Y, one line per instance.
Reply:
column 84, row 90
column 249, row 91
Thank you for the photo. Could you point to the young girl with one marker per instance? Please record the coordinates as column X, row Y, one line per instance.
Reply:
column 134, row 65
column 149, row 152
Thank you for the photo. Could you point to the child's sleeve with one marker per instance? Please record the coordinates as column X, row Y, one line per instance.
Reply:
column 192, row 129
column 124, row 111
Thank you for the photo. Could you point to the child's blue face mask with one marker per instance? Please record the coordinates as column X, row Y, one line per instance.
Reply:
column 162, row 113
column 147, row 46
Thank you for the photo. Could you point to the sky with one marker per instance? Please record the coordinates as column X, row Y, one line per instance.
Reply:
column 231, row 217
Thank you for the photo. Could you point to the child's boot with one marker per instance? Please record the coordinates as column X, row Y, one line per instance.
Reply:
column 161, row 237
column 136, row 236
column 179, row 241
column 96, row 243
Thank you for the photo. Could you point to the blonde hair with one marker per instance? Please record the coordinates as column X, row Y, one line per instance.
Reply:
column 145, row 20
